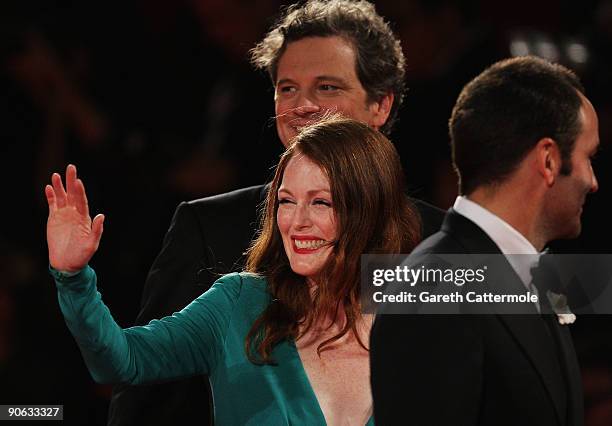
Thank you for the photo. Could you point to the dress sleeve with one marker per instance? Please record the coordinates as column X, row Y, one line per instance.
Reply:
column 187, row 343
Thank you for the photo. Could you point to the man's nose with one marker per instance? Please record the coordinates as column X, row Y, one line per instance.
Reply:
column 594, row 183
column 305, row 106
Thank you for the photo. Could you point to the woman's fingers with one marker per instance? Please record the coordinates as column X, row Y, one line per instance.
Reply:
column 50, row 194
column 58, row 188
column 80, row 198
column 73, row 195
column 71, row 185
column 97, row 226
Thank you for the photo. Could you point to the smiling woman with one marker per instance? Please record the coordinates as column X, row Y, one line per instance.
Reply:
column 305, row 217
column 284, row 342
column 337, row 193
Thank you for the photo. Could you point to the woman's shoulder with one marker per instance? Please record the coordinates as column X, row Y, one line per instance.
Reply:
column 244, row 279
column 243, row 286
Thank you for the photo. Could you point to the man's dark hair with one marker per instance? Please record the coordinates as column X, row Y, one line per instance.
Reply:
column 379, row 58
column 503, row 113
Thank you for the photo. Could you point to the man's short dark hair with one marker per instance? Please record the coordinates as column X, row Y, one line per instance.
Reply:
column 503, row 113
column 379, row 57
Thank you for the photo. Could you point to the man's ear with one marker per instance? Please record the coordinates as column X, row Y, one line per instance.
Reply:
column 380, row 110
column 548, row 160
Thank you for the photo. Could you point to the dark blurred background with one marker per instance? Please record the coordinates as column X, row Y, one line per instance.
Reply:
column 156, row 103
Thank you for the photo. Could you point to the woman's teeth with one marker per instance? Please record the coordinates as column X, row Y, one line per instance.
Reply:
column 309, row 244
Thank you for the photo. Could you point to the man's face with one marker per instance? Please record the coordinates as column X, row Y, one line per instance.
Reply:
column 572, row 189
column 318, row 74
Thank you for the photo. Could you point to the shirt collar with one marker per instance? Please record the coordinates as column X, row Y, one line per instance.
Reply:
column 508, row 239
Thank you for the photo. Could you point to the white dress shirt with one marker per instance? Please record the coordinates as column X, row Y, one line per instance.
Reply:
column 509, row 240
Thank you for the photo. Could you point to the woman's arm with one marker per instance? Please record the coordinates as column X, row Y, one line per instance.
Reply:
column 189, row 342
column 186, row 343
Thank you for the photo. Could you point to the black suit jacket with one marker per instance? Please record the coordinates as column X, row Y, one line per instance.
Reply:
column 206, row 239
column 497, row 369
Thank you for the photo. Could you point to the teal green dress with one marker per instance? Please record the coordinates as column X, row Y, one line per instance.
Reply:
column 207, row 337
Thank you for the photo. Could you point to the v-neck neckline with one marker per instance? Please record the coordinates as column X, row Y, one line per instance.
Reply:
column 306, row 380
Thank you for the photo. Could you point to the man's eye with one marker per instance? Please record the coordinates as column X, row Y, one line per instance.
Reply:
column 328, row 87
column 287, row 89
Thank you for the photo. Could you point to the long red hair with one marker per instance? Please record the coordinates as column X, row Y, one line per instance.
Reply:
column 373, row 215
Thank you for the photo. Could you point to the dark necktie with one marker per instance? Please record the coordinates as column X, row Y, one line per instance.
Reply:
column 545, row 277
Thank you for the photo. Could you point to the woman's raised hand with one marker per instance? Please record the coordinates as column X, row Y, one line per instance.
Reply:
column 72, row 236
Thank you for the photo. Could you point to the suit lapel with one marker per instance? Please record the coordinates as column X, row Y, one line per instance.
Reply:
column 529, row 331
column 537, row 344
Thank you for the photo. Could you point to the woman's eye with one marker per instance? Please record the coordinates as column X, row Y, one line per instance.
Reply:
column 284, row 201
column 322, row 203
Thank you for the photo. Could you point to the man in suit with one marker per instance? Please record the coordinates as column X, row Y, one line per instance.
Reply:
column 338, row 55
column 523, row 135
